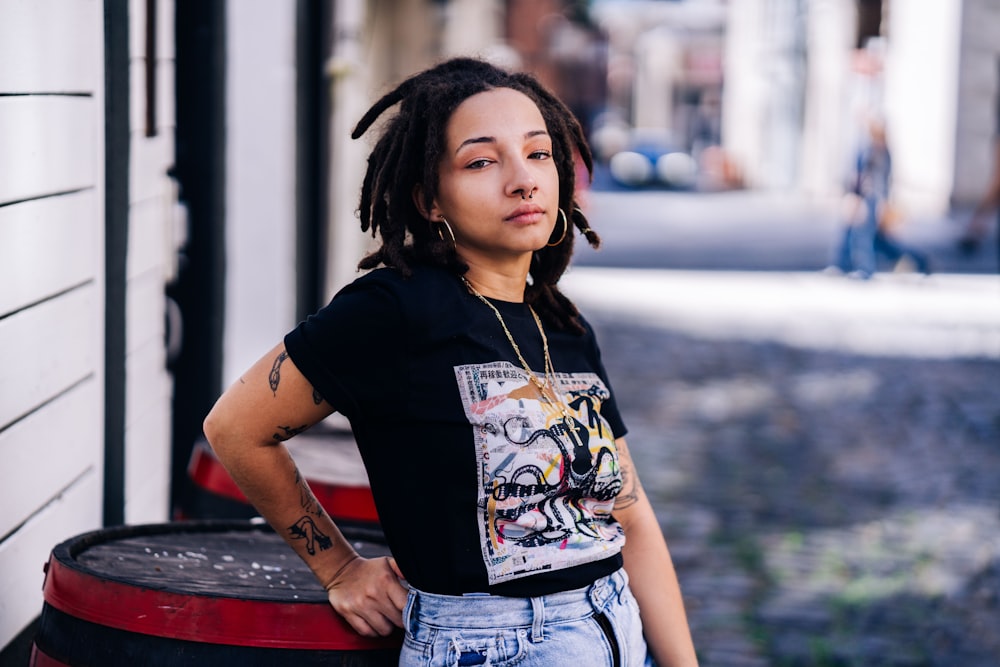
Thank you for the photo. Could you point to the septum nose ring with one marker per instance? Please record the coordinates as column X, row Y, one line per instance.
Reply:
column 531, row 194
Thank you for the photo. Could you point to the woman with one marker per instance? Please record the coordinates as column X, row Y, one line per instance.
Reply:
column 478, row 400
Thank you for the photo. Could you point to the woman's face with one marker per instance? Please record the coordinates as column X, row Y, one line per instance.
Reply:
column 498, row 184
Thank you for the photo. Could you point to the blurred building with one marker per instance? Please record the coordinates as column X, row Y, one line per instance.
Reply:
column 783, row 87
column 801, row 75
column 664, row 77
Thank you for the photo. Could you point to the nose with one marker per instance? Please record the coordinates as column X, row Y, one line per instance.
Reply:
column 521, row 182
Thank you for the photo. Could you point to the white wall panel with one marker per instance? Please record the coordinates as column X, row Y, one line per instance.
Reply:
column 137, row 30
column 165, row 107
column 44, row 452
column 49, row 145
column 148, row 236
column 150, row 262
column 147, row 429
column 144, row 311
column 151, row 157
column 137, row 96
column 46, row 46
column 164, row 30
column 165, row 94
column 149, row 383
column 260, row 174
column 51, row 288
column 24, row 554
column 48, row 348
column 47, row 246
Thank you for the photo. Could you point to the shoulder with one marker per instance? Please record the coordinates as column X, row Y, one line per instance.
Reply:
column 428, row 291
column 588, row 330
column 579, row 343
column 422, row 278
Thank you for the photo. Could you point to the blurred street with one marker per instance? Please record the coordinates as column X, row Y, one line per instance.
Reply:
column 822, row 452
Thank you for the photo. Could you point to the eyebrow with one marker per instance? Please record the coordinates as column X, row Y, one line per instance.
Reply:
column 490, row 140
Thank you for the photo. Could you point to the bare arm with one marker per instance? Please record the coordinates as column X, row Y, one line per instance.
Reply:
column 247, row 428
column 651, row 572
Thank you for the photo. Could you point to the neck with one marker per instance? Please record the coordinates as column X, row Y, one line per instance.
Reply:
column 505, row 283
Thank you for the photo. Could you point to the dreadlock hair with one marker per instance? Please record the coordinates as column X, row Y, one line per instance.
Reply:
column 409, row 151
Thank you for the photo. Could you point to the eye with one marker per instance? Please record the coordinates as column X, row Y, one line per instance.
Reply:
column 481, row 163
column 540, row 155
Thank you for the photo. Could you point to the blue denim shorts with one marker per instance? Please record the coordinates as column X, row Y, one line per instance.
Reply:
column 596, row 626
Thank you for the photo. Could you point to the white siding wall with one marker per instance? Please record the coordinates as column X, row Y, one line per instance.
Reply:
column 153, row 236
column 51, row 289
column 52, row 285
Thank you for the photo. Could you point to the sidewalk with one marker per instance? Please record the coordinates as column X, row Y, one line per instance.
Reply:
column 823, row 456
column 896, row 314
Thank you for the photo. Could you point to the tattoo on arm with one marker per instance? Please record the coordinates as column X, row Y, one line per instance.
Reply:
column 307, row 500
column 629, row 494
column 306, row 529
column 317, row 399
column 288, row 432
column 274, row 378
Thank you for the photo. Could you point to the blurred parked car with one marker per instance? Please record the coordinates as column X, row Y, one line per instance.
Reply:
column 646, row 158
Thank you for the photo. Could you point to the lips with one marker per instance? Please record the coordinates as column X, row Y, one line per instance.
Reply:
column 526, row 214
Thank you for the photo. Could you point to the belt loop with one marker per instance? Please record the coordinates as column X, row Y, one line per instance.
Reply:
column 595, row 596
column 616, row 584
column 600, row 592
column 537, row 620
column 408, row 609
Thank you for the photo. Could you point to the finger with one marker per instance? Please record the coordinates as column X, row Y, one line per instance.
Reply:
column 394, row 619
column 398, row 596
column 375, row 618
column 361, row 626
column 389, row 606
column 380, row 624
column 372, row 624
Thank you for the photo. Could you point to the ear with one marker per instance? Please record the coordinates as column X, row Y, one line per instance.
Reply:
column 432, row 214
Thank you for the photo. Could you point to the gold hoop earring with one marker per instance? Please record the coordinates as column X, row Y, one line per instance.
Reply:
column 450, row 233
column 562, row 214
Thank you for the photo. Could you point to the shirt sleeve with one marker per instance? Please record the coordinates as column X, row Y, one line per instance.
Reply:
column 609, row 410
column 347, row 349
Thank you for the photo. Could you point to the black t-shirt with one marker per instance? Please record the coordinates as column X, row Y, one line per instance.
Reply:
column 480, row 485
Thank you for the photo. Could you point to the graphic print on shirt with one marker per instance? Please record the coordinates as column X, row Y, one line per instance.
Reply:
column 547, row 480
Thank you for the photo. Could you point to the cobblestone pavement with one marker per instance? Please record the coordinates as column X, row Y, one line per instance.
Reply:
column 823, row 506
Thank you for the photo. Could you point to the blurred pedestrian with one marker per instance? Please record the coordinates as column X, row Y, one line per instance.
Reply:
column 868, row 232
column 477, row 396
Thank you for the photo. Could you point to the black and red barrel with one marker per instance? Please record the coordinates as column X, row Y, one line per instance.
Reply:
column 329, row 462
column 197, row 593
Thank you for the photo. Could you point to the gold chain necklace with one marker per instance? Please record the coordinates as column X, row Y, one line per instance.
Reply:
column 548, row 385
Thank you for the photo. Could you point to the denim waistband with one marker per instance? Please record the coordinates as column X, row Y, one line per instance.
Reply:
column 489, row 611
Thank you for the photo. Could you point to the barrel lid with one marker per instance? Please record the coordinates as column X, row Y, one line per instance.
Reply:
column 225, row 582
